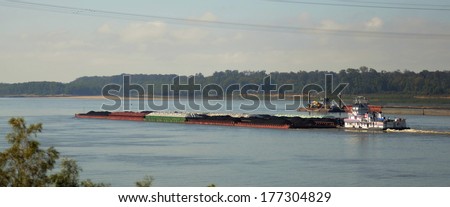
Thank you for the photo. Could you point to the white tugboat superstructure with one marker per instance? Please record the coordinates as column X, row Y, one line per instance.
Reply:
column 362, row 116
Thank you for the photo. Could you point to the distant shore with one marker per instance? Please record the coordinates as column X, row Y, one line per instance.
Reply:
column 416, row 110
column 80, row 97
column 402, row 108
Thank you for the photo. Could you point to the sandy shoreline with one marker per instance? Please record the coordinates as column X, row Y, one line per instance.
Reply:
column 416, row 111
column 391, row 109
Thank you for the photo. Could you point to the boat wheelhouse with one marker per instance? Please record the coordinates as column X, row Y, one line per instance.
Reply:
column 365, row 116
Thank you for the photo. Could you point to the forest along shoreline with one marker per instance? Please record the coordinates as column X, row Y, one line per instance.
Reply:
column 404, row 107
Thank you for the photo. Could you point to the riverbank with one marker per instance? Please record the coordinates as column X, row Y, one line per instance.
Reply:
column 416, row 110
column 392, row 104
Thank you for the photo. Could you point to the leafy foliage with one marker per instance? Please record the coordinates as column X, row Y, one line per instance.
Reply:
column 89, row 183
column 68, row 176
column 145, row 182
column 24, row 164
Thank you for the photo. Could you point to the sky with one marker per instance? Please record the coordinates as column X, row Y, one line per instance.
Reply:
column 61, row 40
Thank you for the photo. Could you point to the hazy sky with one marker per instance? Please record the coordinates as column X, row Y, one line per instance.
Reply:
column 60, row 40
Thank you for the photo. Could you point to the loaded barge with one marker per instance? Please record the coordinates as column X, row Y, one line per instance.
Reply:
column 238, row 120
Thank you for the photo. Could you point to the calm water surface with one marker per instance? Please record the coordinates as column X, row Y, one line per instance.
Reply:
column 122, row 152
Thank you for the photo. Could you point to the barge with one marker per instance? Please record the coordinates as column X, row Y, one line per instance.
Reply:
column 205, row 119
column 128, row 115
column 166, row 117
column 94, row 115
column 264, row 121
column 238, row 120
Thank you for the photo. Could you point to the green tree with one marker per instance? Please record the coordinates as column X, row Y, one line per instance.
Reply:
column 68, row 175
column 89, row 183
column 24, row 163
column 147, row 181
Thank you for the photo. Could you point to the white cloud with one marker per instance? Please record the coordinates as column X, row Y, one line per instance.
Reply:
column 105, row 29
column 159, row 47
column 143, row 32
column 325, row 30
column 189, row 35
column 329, row 24
column 208, row 16
column 68, row 45
column 216, row 59
column 375, row 23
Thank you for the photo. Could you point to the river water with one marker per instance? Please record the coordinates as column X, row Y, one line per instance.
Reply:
column 122, row 152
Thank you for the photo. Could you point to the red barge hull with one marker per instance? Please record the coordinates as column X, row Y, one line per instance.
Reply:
column 128, row 116
column 240, row 124
column 264, row 126
column 83, row 116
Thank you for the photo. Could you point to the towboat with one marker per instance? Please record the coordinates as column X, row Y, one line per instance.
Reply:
column 364, row 116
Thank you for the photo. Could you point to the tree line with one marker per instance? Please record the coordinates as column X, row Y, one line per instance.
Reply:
column 363, row 80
